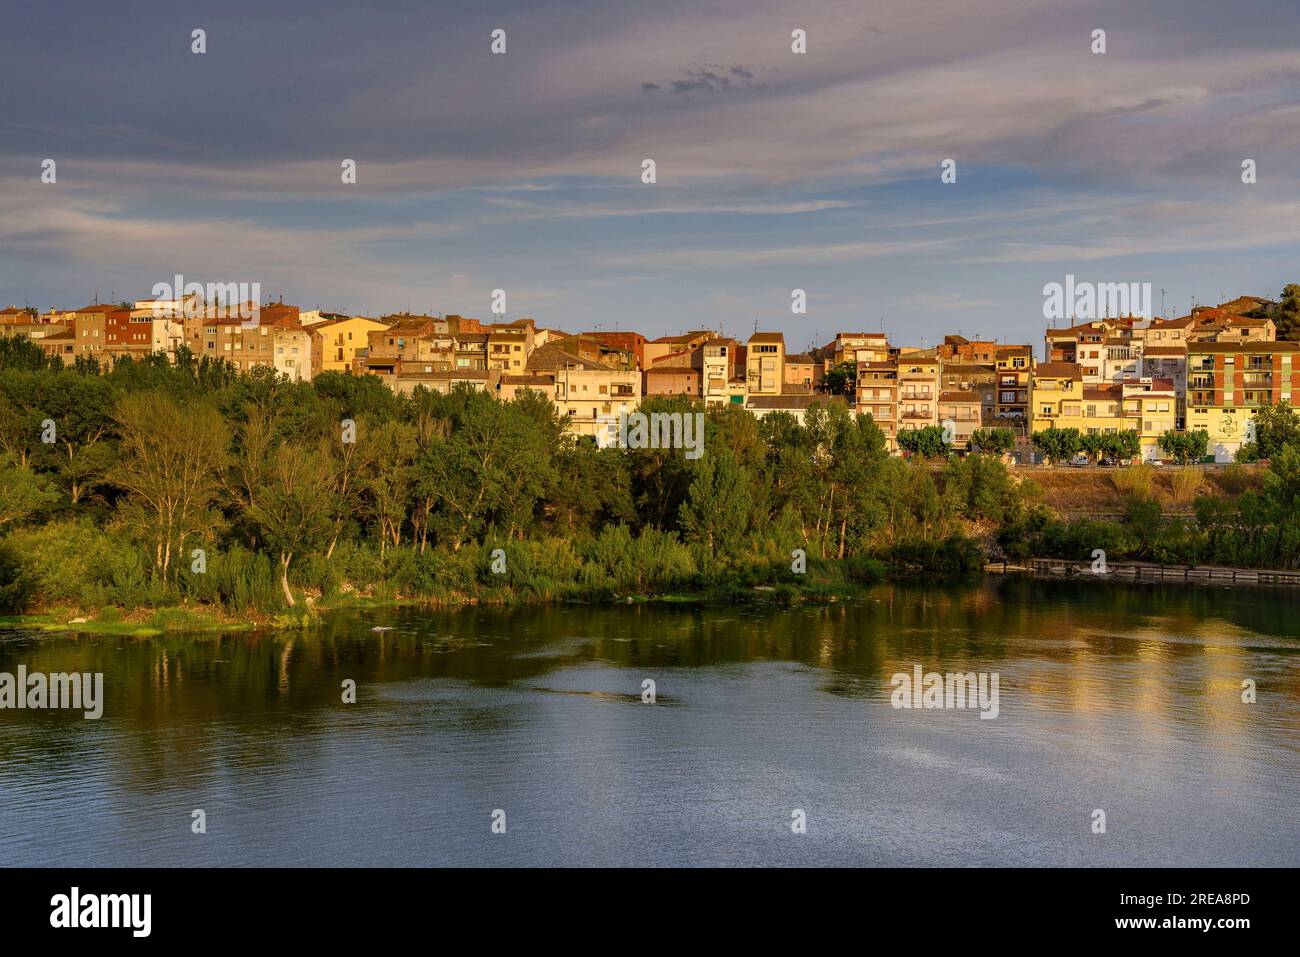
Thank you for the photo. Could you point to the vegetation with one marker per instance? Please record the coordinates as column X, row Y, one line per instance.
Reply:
column 929, row 442
column 993, row 441
column 1275, row 426
column 194, row 486
column 842, row 379
column 1058, row 445
column 1185, row 447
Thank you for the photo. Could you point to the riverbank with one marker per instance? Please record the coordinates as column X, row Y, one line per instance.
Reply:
column 1055, row 568
column 149, row 622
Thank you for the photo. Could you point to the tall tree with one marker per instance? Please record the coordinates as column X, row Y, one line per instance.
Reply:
column 171, row 465
column 292, row 503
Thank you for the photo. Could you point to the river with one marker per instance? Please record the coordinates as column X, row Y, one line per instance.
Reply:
column 1121, row 698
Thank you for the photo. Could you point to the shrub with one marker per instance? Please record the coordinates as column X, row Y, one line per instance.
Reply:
column 15, row 587
column 1187, row 483
column 1135, row 480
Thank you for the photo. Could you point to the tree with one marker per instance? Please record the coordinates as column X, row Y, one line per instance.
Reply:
column 171, row 465
column 1288, row 313
column 292, row 504
column 1093, row 445
column 717, row 509
column 993, row 441
column 929, row 442
column 23, row 492
column 1275, row 426
column 842, row 379
column 1124, row 444
column 1058, row 445
column 492, row 467
column 1185, row 447
column 19, row 352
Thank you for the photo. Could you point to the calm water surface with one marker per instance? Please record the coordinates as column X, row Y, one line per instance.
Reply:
column 1115, row 697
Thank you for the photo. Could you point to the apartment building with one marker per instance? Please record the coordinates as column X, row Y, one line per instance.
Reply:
column 877, row 396
column 965, row 351
column 980, row 378
column 1169, row 362
column 858, row 347
column 765, row 364
column 688, row 342
column 587, row 394
column 403, row 337
column 795, row 405
column 722, row 372
column 415, row 375
column 1151, row 405
column 296, row 352
column 508, row 350
column 918, row 391
column 963, row 411
column 90, row 328
column 1057, row 396
column 803, row 371
column 1227, row 381
column 343, row 338
column 632, row 342
column 1014, row 366
column 668, row 379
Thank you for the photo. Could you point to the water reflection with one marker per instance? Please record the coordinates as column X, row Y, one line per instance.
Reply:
column 1123, row 697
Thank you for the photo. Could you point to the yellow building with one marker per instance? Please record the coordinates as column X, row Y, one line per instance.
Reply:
column 918, row 391
column 342, row 338
column 1056, row 396
column 765, row 363
column 1151, row 406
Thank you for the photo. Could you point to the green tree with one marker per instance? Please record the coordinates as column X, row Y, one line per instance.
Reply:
column 719, row 506
column 929, row 442
column 841, row 379
column 993, row 441
column 1185, row 447
column 170, row 470
column 1287, row 314
column 1124, row 444
column 1275, row 426
column 293, row 504
column 23, row 492
column 1058, row 445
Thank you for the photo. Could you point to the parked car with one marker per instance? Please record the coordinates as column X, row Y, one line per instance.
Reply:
column 1080, row 461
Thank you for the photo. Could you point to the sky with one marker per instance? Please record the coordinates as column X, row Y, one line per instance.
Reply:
column 775, row 170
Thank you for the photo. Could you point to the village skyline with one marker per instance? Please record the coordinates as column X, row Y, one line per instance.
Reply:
column 907, row 169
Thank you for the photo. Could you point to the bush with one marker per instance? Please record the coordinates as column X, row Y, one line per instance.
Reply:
column 15, row 587
column 1187, row 482
column 1136, row 480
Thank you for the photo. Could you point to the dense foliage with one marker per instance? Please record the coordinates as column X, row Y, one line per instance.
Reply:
column 151, row 484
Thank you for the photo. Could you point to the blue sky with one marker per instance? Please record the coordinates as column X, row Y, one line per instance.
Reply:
column 775, row 170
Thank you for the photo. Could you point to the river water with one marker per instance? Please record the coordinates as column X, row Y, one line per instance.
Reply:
column 1123, row 699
